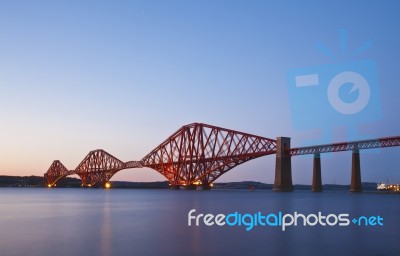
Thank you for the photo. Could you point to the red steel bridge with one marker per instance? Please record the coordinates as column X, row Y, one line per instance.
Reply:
column 197, row 154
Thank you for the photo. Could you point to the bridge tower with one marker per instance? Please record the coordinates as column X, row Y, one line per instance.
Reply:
column 283, row 166
column 56, row 171
column 355, row 185
column 317, row 179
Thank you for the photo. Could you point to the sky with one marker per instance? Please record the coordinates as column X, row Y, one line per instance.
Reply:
column 124, row 75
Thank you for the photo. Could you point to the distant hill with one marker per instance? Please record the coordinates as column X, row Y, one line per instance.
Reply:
column 35, row 181
column 21, row 181
column 38, row 181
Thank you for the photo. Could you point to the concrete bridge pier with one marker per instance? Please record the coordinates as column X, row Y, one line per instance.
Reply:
column 355, row 185
column 283, row 166
column 317, row 179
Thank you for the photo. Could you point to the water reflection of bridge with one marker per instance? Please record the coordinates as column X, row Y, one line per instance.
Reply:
column 198, row 154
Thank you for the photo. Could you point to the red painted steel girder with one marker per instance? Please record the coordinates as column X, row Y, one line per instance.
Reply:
column 346, row 146
column 55, row 172
column 133, row 164
column 98, row 167
column 201, row 152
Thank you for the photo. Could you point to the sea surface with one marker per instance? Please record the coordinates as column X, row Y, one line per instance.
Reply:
column 57, row 221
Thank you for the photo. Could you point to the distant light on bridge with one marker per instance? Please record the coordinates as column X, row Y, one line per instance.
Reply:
column 107, row 185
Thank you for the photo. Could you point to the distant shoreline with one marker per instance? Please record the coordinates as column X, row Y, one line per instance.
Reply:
column 69, row 182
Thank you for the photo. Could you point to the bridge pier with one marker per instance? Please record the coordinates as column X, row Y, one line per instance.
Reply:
column 205, row 186
column 317, row 178
column 283, row 166
column 355, row 185
column 190, row 187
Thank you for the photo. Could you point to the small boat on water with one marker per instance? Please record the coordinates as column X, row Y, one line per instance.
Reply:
column 381, row 187
column 388, row 187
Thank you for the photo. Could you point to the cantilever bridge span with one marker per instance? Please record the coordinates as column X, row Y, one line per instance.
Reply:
column 198, row 154
column 195, row 154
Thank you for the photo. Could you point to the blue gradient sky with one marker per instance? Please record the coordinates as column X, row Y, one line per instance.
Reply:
column 124, row 75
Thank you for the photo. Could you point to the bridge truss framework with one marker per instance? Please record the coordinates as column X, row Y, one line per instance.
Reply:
column 198, row 154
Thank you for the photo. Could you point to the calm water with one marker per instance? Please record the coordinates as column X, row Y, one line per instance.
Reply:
column 154, row 222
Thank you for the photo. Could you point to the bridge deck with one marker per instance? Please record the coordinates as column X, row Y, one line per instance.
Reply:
column 347, row 146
